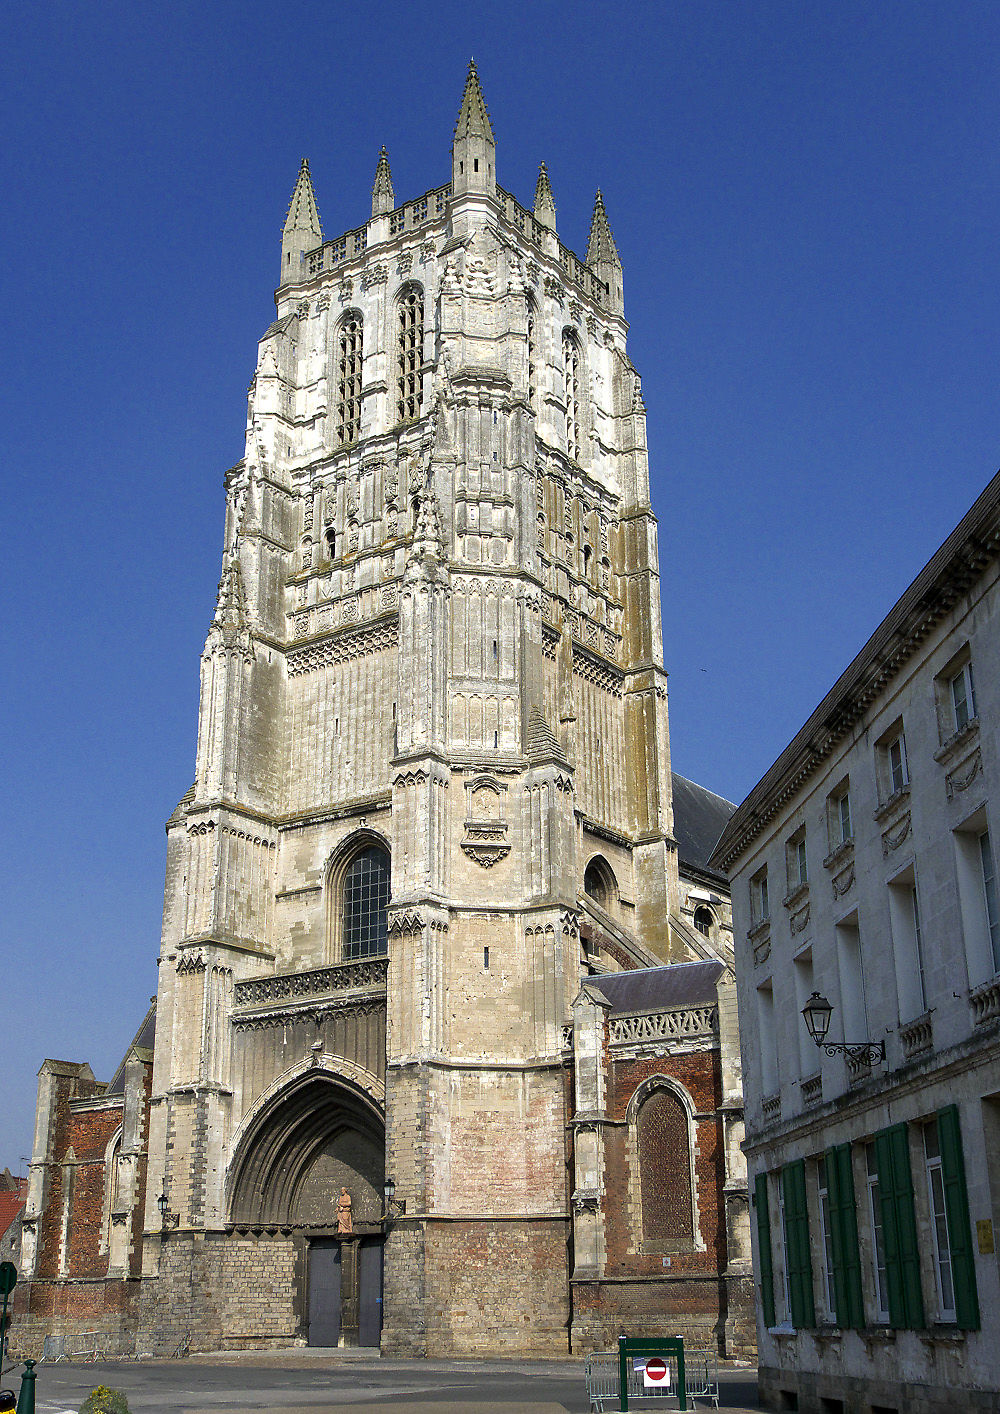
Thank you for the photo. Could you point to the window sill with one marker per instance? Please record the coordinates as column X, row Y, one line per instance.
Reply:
column 796, row 896
column 895, row 802
column 956, row 741
column 843, row 852
column 783, row 1332
column 757, row 931
column 946, row 1335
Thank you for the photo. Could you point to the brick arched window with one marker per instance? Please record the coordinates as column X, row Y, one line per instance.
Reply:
column 350, row 360
column 409, row 353
column 664, row 1155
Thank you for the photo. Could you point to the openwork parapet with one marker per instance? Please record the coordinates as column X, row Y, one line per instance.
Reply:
column 687, row 1024
column 369, row 975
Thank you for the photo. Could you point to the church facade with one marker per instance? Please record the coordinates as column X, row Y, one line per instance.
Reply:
column 432, row 810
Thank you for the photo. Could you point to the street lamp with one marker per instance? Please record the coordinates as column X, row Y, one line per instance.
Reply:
column 167, row 1218
column 817, row 1013
column 390, row 1208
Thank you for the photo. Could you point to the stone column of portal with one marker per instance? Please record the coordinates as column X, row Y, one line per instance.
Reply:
column 418, row 920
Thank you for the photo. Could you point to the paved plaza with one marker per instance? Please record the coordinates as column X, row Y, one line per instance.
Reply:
column 307, row 1383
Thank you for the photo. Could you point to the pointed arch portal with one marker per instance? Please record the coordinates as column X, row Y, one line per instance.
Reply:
column 315, row 1136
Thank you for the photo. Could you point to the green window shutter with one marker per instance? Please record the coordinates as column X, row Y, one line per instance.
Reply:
column 844, row 1238
column 956, row 1200
column 899, row 1228
column 766, row 1272
column 800, row 1284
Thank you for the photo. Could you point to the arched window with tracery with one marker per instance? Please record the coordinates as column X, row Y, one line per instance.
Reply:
column 365, row 905
column 664, row 1156
column 571, row 390
column 409, row 353
column 350, row 351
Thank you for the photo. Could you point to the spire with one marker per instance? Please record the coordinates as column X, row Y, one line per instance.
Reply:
column 383, row 198
column 303, row 230
column 545, row 207
column 602, row 255
column 473, row 151
column 473, row 119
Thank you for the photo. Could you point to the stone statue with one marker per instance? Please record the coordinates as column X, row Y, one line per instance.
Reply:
column 345, row 1222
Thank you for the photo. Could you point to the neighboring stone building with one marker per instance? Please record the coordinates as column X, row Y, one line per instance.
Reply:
column 863, row 868
column 432, row 798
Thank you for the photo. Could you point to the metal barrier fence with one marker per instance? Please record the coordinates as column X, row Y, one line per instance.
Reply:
column 690, row 1375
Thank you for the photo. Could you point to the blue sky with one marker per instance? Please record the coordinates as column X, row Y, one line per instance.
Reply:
column 805, row 198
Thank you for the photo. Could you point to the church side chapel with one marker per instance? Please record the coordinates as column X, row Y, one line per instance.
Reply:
column 445, row 1052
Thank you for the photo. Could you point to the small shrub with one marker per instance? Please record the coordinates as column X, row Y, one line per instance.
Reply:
column 105, row 1401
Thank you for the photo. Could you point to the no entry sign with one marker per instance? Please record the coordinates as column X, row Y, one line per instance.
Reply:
column 656, row 1374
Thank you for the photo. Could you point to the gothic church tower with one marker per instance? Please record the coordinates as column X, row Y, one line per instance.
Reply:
column 432, row 789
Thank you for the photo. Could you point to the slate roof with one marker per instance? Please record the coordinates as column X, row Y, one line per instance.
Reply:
column 700, row 816
column 659, row 988
column 143, row 1040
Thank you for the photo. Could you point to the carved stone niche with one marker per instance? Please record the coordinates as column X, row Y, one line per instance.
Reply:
column 485, row 838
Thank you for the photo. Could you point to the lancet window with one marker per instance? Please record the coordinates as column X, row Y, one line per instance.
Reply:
column 664, row 1147
column 349, row 374
column 409, row 354
column 532, row 360
column 571, row 389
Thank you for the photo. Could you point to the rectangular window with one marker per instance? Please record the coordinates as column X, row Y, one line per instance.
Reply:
column 939, row 1223
column 908, row 949
column 767, row 1039
column 896, row 759
column 844, row 817
column 852, row 980
column 783, row 1218
column 826, row 1251
column 878, row 1241
column 978, row 900
column 963, row 697
column 795, row 858
column 759, row 906
column 809, row 1055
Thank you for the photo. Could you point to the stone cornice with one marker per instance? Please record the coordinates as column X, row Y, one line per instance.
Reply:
column 949, row 574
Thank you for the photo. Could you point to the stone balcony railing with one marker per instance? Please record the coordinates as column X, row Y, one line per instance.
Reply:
column 366, row 976
column 771, row 1106
column 683, row 1024
column 812, row 1089
column 916, row 1036
column 984, row 1002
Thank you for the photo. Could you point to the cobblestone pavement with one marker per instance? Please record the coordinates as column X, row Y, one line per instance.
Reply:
column 308, row 1384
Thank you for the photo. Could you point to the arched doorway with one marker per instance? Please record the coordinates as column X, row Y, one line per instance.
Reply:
column 317, row 1136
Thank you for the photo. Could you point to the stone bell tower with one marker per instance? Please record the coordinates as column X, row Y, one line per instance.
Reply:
column 432, row 744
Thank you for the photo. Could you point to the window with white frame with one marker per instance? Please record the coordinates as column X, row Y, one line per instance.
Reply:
column 785, row 1285
column 879, row 1274
column 940, row 1239
column 979, row 905
column 838, row 816
column 907, row 945
column 897, row 776
column 826, row 1252
column 962, row 695
column 759, row 906
column 797, row 862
